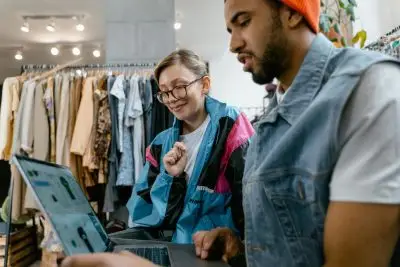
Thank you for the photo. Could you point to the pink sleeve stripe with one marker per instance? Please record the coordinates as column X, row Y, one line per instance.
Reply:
column 241, row 131
column 150, row 158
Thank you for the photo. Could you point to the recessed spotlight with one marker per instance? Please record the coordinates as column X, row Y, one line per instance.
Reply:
column 54, row 51
column 177, row 25
column 18, row 55
column 96, row 53
column 25, row 27
column 76, row 51
column 80, row 27
column 51, row 27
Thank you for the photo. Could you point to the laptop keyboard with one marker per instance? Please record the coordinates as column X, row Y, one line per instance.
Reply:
column 157, row 255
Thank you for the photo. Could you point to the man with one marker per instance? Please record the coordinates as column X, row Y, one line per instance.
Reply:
column 322, row 180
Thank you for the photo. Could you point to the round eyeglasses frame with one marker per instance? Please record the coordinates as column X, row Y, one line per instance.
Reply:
column 178, row 92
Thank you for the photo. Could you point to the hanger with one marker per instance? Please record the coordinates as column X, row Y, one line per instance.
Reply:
column 58, row 68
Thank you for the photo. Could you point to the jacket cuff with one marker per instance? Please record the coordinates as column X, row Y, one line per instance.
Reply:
column 182, row 176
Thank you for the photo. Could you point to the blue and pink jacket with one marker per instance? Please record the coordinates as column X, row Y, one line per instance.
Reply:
column 213, row 196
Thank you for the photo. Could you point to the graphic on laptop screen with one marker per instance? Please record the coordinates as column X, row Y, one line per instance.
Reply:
column 78, row 227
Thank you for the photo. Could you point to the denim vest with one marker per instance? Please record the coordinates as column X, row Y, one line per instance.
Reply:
column 292, row 156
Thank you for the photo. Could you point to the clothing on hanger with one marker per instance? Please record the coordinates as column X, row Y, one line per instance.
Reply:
column 74, row 119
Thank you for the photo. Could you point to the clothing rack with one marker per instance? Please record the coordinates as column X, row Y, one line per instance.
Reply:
column 89, row 66
column 379, row 41
column 394, row 30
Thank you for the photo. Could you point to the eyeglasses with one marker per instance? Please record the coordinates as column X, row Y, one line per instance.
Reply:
column 178, row 92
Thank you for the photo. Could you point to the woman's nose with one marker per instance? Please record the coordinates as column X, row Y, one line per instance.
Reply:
column 170, row 99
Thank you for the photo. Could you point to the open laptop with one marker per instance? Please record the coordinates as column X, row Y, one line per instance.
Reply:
column 76, row 225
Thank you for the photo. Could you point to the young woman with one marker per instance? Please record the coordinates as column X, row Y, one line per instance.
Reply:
column 192, row 180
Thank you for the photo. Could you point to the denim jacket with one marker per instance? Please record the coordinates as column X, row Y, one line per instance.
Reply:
column 292, row 156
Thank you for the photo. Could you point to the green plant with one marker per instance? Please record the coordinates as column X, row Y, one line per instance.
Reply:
column 335, row 18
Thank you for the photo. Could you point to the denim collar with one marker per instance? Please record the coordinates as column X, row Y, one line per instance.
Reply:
column 306, row 83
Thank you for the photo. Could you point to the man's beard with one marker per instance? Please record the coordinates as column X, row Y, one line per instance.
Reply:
column 274, row 59
column 270, row 66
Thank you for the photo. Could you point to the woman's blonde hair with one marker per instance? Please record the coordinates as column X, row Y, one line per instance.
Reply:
column 187, row 58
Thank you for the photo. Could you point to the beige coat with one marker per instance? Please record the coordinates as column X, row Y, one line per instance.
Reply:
column 9, row 107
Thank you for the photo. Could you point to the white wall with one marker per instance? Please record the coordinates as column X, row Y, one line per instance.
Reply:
column 377, row 17
column 232, row 85
column 139, row 31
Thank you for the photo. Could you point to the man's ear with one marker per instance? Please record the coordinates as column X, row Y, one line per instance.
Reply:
column 291, row 18
column 206, row 85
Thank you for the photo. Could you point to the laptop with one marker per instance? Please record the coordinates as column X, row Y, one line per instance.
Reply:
column 76, row 225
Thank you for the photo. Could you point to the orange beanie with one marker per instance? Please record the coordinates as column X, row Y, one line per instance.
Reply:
column 310, row 9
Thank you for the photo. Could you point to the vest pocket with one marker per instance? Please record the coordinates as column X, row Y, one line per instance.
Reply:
column 295, row 199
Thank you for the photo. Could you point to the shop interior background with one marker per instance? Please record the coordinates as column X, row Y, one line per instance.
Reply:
column 144, row 30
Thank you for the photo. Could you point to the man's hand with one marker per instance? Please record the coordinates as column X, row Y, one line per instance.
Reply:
column 123, row 259
column 220, row 241
column 176, row 159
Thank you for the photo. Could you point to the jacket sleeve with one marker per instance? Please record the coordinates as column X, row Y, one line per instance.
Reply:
column 239, row 138
column 234, row 173
column 157, row 199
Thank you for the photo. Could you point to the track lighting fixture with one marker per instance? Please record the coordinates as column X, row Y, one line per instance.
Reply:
column 18, row 55
column 54, row 51
column 80, row 27
column 25, row 27
column 76, row 51
column 177, row 25
column 51, row 27
column 96, row 53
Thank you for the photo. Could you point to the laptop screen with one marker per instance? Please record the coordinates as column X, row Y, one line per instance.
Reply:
column 64, row 202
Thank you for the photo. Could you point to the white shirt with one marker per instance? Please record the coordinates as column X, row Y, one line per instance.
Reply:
column 368, row 167
column 135, row 118
column 280, row 94
column 118, row 91
column 192, row 142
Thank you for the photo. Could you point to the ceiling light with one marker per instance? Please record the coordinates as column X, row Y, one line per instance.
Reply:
column 96, row 53
column 76, row 51
column 80, row 27
column 25, row 27
column 54, row 51
column 18, row 55
column 177, row 25
column 51, row 27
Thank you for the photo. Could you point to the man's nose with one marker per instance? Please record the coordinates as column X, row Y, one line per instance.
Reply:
column 236, row 43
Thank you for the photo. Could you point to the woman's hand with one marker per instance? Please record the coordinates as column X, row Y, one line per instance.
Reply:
column 176, row 159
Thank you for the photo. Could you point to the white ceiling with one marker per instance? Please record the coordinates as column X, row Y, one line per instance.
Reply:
column 203, row 30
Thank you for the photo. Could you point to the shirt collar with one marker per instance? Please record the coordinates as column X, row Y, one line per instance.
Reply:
column 306, row 83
